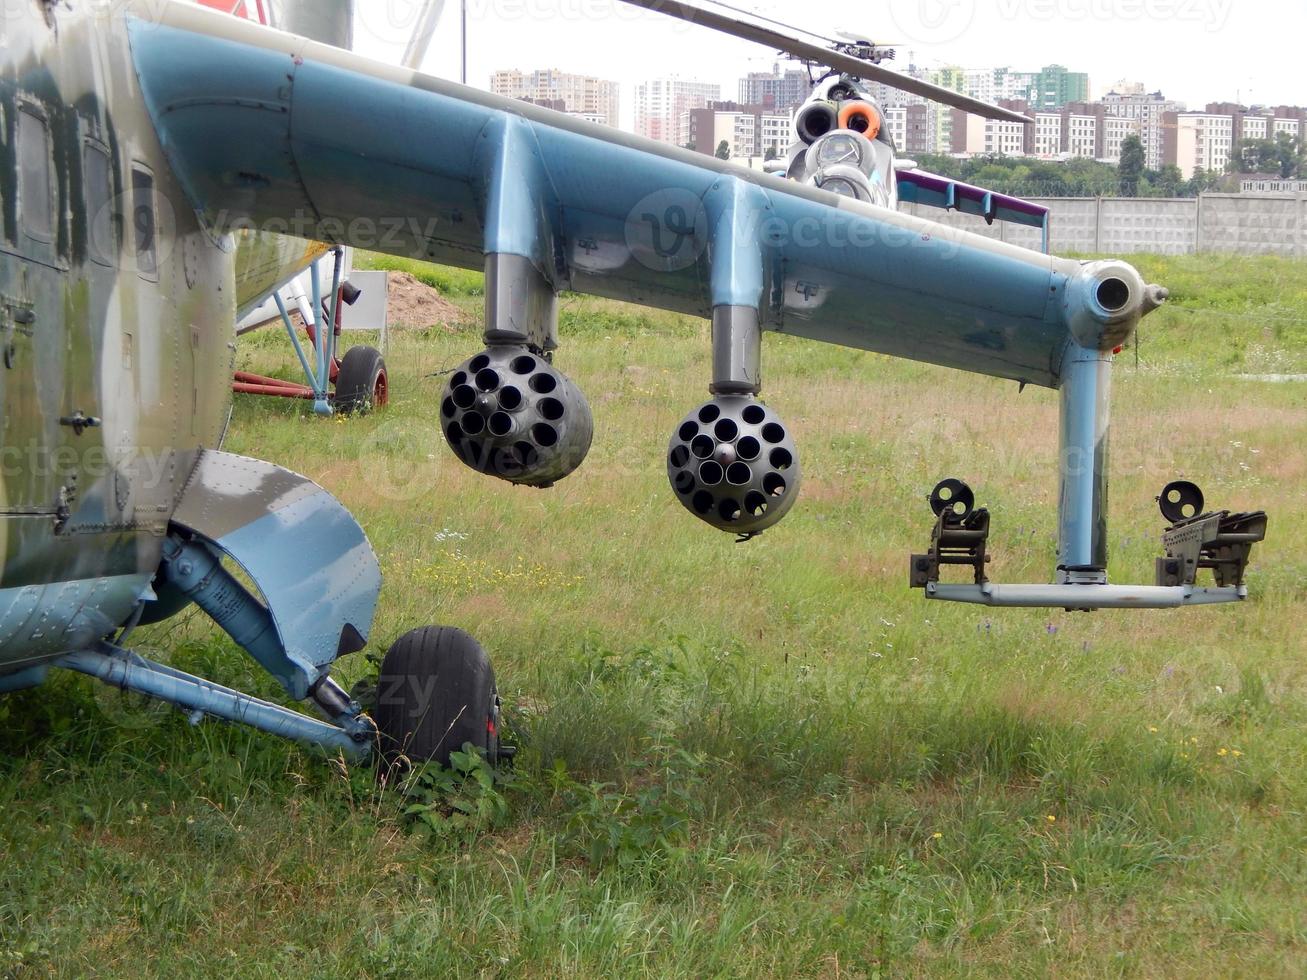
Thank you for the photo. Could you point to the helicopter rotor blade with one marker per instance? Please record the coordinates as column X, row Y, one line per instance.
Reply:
column 834, row 59
column 863, row 38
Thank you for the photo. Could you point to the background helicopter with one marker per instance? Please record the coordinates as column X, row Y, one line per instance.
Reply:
column 119, row 329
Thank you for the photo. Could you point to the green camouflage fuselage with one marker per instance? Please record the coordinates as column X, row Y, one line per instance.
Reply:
column 101, row 320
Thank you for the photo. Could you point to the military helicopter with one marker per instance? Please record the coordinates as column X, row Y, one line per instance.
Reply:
column 141, row 138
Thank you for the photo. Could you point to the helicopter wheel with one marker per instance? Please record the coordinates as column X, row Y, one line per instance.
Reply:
column 436, row 692
column 362, row 382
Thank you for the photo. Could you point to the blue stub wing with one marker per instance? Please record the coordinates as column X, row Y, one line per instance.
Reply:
column 290, row 136
column 932, row 190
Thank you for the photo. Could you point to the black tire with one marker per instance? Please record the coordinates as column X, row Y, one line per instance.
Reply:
column 436, row 692
column 362, row 383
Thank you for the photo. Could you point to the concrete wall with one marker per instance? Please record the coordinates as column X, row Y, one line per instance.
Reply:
column 1247, row 224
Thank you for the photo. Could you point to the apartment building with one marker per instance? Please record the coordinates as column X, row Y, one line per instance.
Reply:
column 1199, row 141
column 749, row 130
column 777, row 90
column 661, row 103
column 1149, row 109
column 1057, row 86
column 595, row 98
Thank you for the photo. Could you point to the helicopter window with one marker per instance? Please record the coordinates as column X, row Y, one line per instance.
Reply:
column 102, row 229
column 143, row 221
column 34, row 176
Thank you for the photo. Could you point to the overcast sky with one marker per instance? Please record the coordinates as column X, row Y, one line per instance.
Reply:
column 1198, row 51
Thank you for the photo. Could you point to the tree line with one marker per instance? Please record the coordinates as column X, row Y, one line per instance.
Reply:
column 1285, row 156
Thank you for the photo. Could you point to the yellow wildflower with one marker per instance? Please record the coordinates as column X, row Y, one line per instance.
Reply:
column 936, row 835
column 1222, row 752
column 1051, row 819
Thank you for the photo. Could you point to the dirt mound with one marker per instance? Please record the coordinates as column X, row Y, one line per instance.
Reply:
column 415, row 306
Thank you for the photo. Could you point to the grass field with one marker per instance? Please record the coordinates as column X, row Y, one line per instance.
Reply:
column 770, row 759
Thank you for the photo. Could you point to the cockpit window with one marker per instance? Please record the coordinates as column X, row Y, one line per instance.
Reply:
column 34, row 191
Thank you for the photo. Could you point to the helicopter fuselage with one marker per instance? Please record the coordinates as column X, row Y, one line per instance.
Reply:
column 116, row 320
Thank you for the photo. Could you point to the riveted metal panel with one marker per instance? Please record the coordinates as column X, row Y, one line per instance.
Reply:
column 307, row 555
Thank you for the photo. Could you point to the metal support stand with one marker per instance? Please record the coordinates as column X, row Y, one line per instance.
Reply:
column 736, row 351
column 320, row 373
column 1083, row 462
column 196, row 573
column 521, row 305
column 1221, row 542
column 960, row 536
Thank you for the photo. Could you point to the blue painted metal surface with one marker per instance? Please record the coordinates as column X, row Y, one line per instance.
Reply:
column 24, row 679
column 308, row 556
column 737, row 216
column 520, row 212
column 127, row 670
column 316, row 382
column 196, row 572
column 339, row 139
column 1083, row 459
column 323, row 332
column 49, row 619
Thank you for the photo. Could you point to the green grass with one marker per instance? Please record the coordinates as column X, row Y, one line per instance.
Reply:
column 451, row 282
column 771, row 759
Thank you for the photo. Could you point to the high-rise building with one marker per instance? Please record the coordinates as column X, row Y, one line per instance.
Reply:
column 1149, row 109
column 914, row 128
column 1057, row 87
column 660, row 103
column 1288, row 119
column 896, row 125
column 1205, row 140
column 1198, row 141
column 922, row 129
column 1015, row 86
column 1045, row 137
column 776, row 89
column 1116, row 130
column 951, row 77
column 1082, row 130
column 971, row 135
column 585, row 95
column 748, row 130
